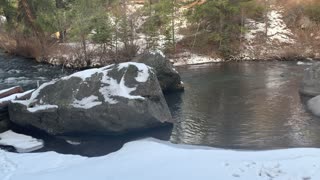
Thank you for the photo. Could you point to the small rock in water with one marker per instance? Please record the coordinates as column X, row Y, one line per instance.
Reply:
column 75, row 143
column 310, row 85
column 304, row 63
column 314, row 105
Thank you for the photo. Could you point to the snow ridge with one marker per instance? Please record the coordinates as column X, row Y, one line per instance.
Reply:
column 137, row 161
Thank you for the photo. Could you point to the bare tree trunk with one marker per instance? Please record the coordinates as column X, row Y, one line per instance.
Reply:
column 150, row 36
column 241, row 27
column 220, row 30
column 195, row 36
column 116, row 58
column 266, row 18
column 124, row 19
column 173, row 26
column 24, row 6
column 60, row 4
column 84, row 46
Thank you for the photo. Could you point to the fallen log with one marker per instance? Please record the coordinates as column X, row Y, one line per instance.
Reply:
column 138, row 1
column 4, row 102
column 10, row 91
column 195, row 3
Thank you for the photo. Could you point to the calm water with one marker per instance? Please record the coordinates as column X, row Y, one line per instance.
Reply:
column 247, row 105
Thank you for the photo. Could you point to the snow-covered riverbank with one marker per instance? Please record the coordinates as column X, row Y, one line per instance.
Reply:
column 152, row 159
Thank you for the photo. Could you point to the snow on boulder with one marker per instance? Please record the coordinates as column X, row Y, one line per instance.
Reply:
column 168, row 77
column 111, row 100
column 311, row 81
column 4, row 101
column 22, row 143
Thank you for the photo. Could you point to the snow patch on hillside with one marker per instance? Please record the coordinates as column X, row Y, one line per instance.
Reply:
column 188, row 58
column 276, row 29
column 266, row 38
column 3, row 19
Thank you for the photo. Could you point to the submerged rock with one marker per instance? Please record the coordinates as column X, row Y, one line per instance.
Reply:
column 111, row 100
column 311, row 81
column 314, row 105
column 168, row 77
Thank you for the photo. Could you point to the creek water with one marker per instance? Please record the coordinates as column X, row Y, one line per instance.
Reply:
column 247, row 105
column 26, row 73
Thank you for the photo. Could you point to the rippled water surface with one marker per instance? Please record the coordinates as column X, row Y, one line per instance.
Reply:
column 247, row 105
column 26, row 73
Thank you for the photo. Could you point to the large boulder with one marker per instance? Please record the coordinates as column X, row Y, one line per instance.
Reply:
column 311, row 81
column 168, row 77
column 111, row 100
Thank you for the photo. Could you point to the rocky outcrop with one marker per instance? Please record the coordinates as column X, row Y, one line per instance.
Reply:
column 168, row 77
column 111, row 100
column 4, row 120
column 6, row 96
column 311, row 81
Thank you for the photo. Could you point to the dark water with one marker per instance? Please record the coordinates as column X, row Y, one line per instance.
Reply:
column 247, row 105
column 26, row 73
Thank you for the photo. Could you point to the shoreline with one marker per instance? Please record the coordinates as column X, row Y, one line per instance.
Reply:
column 180, row 63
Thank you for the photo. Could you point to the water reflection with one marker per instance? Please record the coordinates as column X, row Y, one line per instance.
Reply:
column 244, row 105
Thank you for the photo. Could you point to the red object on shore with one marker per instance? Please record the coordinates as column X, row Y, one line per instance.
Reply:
column 10, row 91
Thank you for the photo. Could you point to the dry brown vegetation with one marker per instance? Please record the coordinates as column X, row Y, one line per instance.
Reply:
column 306, row 31
column 26, row 46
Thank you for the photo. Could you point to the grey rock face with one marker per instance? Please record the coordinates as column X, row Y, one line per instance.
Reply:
column 4, row 120
column 311, row 81
column 168, row 77
column 111, row 100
